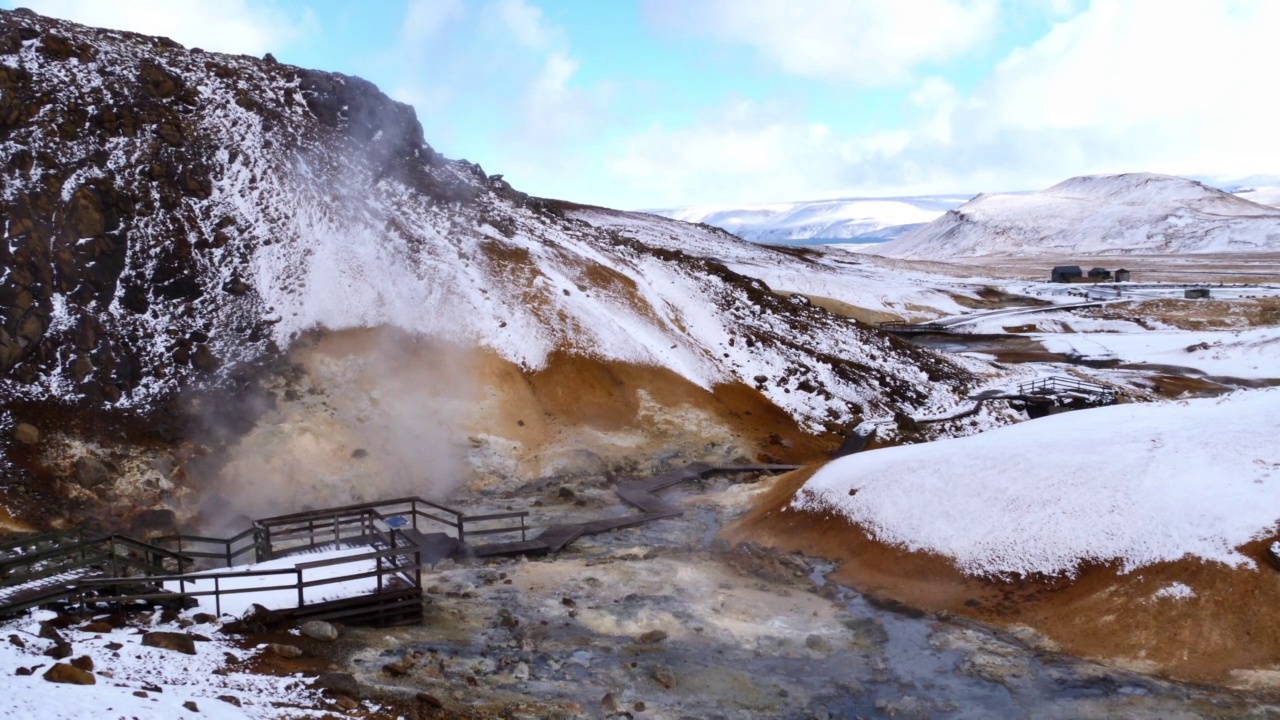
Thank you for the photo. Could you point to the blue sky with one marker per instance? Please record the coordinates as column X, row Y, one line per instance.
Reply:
column 661, row 103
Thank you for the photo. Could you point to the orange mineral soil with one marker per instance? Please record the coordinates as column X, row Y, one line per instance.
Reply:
column 1228, row 633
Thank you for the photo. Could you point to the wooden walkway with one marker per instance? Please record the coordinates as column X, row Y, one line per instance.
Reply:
column 402, row 536
column 640, row 494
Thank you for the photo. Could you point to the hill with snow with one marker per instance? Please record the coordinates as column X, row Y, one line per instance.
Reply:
column 1188, row 479
column 855, row 219
column 178, row 220
column 1134, row 213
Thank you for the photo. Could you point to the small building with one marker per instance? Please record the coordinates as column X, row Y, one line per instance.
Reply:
column 1197, row 294
column 1066, row 273
column 1098, row 274
column 1122, row 275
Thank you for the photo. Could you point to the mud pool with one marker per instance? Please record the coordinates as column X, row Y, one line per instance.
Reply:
column 663, row 621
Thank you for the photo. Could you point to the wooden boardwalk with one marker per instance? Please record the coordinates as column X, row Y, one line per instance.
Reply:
column 398, row 539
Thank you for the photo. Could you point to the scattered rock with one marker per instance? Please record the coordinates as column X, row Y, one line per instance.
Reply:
column 663, row 675
column 395, row 669
column 26, row 434
column 817, row 643
column 114, row 646
column 140, row 693
column 430, row 700
column 319, row 630
column 99, row 626
column 16, row 641
column 359, row 453
column 230, row 700
column 653, row 636
column 84, row 662
column 90, row 472
column 59, row 651
column 23, row 671
column 191, row 705
column 608, row 703
column 204, row 618
column 177, row 642
column 345, row 703
column 520, row 673
column 64, row 673
column 285, row 651
column 338, row 683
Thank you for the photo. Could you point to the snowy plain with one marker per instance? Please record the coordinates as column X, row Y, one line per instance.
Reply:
column 1134, row 484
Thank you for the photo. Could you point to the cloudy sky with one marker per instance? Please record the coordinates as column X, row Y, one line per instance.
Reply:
column 661, row 103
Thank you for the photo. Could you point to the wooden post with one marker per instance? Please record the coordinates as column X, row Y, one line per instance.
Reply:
column 217, row 596
column 300, row 603
column 462, row 533
column 378, row 560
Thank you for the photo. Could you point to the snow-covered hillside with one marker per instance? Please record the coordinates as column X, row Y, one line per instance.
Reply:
column 866, row 219
column 177, row 219
column 1196, row 478
column 1097, row 214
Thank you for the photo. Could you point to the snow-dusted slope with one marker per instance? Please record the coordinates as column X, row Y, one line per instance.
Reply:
column 1196, row 478
column 1099, row 214
column 861, row 218
column 177, row 218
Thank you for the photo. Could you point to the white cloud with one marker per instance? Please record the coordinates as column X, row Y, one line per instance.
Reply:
column 424, row 20
column 231, row 26
column 1174, row 86
column 868, row 42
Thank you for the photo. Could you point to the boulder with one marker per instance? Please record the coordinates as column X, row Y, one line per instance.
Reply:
column 90, row 472
column 319, row 630
column 84, row 662
column 64, row 673
column 338, row 683
column 26, row 434
column 177, row 642
column 285, row 651
column 653, row 636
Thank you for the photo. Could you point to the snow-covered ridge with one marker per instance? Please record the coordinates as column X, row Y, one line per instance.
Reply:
column 1099, row 214
column 1134, row 484
column 213, row 208
column 847, row 218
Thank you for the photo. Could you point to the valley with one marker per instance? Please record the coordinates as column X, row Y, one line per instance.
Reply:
column 232, row 288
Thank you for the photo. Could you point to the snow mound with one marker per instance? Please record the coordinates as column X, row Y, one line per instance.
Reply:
column 1098, row 214
column 1133, row 484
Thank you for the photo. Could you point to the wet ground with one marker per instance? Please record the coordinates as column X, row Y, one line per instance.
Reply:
column 661, row 621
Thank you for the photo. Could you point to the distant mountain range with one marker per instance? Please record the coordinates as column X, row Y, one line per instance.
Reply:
column 1098, row 214
column 1133, row 213
column 845, row 219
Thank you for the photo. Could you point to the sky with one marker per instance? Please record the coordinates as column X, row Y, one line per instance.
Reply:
column 666, row 103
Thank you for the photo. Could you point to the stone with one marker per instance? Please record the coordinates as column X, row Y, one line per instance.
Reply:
column 520, row 672
column 288, row 652
column 26, row 434
column 64, row 673
column 191, row 705
column 663, row 675
column 817, row 643
column 430, row 700
column 653, row 636
column 230, row 700
column 90, row 472
column 177, row 642
column 59, row 651
column 395, row 669
column 97, row 626
column 338, row 683
column 319, row 630
column 84, row 662
column 23, row 671
column 16, row 641
column 345, row 703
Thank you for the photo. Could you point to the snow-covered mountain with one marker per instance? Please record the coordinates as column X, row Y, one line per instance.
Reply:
column 1098, row 214
column 856, row 219
column 177, row 220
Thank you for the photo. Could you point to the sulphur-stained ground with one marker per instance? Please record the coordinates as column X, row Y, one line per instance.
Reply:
column 666, row 621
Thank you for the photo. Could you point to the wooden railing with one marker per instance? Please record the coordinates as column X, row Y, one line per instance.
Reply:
column 220, row 550
column 900, row 327
column 1058, row 383
column 402, row 562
